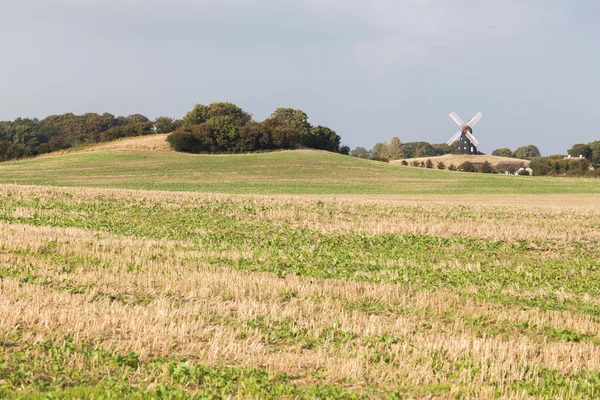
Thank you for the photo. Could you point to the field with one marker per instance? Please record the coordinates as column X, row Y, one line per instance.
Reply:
column 285, row 172
column 476, row 160
column 120, row 293
column 302, row 275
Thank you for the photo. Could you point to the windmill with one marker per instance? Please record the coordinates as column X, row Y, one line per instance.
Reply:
column 467, row 143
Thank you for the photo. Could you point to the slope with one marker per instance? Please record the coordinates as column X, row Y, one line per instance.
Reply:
column 457, row 159
column 285, row 172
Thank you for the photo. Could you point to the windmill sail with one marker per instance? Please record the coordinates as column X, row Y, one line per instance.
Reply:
column 454, row 138
column 475, row 119
column 472, row 138
column 457, row 119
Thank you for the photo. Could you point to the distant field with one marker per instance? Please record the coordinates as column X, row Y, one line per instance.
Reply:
column 458, row 159
column 140, row 294
column 302, row 172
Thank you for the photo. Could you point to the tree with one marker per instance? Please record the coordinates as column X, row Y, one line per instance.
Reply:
column 429, row 164
column 452, row 167
column 380, row 151
column 486, row 168
column 199, row 115
column 581, row 150
column 322, row 138
column 503, row 152
column 254, row 136
column 467, row 167
column 422, row 164
column 360, row 152
column 164, row 125
column 295, row 121
column 527, row 152
column 395, row 148
column 225, row 130
column 345, row 150
column 441, row 165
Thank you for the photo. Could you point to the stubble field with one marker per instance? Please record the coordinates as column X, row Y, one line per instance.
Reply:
column 122, row 293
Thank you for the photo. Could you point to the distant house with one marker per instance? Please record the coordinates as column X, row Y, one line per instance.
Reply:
column 591, row 167
column 520, row 170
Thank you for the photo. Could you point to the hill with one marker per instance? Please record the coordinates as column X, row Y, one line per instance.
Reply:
column 477, row 160
column 128, row 164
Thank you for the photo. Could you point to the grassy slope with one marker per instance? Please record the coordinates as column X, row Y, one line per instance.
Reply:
column 310, row 172
column 458, row 159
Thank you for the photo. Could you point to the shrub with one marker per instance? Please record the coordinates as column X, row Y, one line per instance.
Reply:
column 486, row 168
column 524, row 172
column 467, row 167
column 441, row 165
column 429, row 164
column 404, row 162
column 422, row 165
column 415, row 163
column 452, row 167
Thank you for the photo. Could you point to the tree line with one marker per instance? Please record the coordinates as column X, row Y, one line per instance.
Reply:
column 216, row 128
column 523, row 152
column 26, row 137
column 396, row 150
column 226, row 128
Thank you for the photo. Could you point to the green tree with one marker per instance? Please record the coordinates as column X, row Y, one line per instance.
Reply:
column 322, row 138
column 360, row 152
column 527, row 152
column 345, row 150
column 467, row 167
column 395, row 149
column 503, row 152
column 581, row 150
column 164, row 125
column 199, row 115
column 380, row 151
column 429, row 164
column 486, row 168
column 296, row 121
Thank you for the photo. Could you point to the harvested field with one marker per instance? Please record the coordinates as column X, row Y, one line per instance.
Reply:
column 128, row 293
column 476, row 160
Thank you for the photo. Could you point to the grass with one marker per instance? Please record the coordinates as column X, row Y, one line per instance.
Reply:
column 140, row 294
column 288, row 172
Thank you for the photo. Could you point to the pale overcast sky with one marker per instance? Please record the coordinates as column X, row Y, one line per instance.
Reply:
column 368, row 69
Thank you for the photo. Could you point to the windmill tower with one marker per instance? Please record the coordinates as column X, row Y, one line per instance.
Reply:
column 467, row 142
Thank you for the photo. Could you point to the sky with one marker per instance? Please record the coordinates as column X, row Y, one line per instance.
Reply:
column 369, row 69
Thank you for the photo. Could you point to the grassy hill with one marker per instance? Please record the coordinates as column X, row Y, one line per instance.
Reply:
column 137, row 164
column 476, row 160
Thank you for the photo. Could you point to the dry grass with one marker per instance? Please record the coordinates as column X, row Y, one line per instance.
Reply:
column 458, row 159
column 157, row 142
column 173, row 302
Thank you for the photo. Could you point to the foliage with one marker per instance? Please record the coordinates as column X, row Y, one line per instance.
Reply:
column 503, row 152
column 486, row 168
column 360, row 152
column 553, row 166
column 441, row 165
column 395, row 148
column 429, row 164
column 29, row 137
column 226, row 128
column 467, row 167
column 527, row 152
column 165, row 124
column 590, row 151
column 380, row 152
